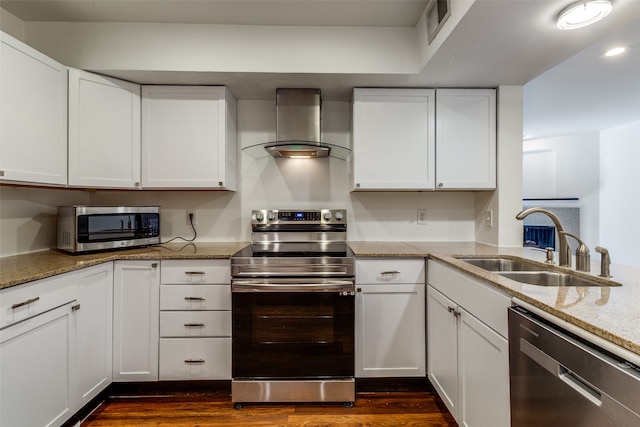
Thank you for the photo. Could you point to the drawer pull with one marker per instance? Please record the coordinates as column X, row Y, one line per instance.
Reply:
column 194, row 325
column 384, row 273
column 194, row 298
column 194, row 361
column 75, row 307
column 23, row 303
column 194, row 272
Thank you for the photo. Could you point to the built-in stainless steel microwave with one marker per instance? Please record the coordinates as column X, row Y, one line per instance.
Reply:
column 95, row 228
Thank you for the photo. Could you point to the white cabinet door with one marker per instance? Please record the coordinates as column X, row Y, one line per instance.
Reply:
column 484, row 374
column 188, row 137
column 136, row 320
column 95, row 317
column 104, row 131
column 442, row 342
column 390, row 330
column 393, row 139
column 466, row 139
column 33, row 123
column 37, row 369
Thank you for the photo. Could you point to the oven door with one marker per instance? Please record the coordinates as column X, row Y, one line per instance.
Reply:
column 293, row 329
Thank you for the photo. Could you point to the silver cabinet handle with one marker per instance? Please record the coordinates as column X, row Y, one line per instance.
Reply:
column 194, row 298
column 194, row 361
column 23, row 303
column 383, row 273
column 194, row 325
column 194, row 272
column 453, row 311
column 75, row 307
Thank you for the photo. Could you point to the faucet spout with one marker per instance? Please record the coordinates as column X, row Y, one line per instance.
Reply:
column 564, row 248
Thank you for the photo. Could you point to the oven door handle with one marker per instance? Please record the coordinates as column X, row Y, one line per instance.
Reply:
column 342, row 286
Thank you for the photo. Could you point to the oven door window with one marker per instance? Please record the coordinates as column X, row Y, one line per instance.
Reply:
column 293, row 334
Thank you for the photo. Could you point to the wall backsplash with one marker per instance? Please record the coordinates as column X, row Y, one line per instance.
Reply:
column 27, row 215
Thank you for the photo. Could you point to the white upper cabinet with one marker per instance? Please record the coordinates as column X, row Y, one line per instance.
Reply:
column 393, row 139
column 188, row 137
column 104, row 131
column 33, row 122
column 466, row 139
column 424, row 139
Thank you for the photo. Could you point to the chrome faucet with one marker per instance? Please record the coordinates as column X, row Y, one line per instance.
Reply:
column 583, row 258
column 564, row 248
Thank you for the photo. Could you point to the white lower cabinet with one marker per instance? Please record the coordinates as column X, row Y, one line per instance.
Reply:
column 468, row 360
column 195, row 320
column 38, row 379
column 136, row 323
column 94, row 319
column 390, row 318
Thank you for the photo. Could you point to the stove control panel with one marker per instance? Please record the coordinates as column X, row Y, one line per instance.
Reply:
column 281, row 217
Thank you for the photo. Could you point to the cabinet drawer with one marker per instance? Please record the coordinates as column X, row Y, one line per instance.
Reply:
column 390, row 270
column 195, row 271
column 195, row 297
column 195, row 324
column 195, row 358
column 23, row 301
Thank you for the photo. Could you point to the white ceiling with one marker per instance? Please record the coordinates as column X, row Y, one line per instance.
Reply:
column 569, row 87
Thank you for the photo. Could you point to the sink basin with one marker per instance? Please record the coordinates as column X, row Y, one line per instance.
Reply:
column 551, row 278
column 503, row 264
column 530, row 273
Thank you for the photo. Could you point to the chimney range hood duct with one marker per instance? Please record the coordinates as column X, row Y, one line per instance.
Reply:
column 298, row 128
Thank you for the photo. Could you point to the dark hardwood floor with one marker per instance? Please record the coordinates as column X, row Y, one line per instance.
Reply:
column 184, row 409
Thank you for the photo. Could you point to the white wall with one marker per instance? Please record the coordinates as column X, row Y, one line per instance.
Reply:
column 620, row 193
column 226, row 48
column 566, row 167
column 28, row 217
column 505, row 202
column 304, row 184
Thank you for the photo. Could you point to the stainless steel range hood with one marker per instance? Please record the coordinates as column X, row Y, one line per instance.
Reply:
column 298, row 117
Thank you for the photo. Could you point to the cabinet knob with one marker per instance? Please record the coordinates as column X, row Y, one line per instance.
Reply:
column 359, row 290
column 75, row 307
column 154, row 265
column 440, row 185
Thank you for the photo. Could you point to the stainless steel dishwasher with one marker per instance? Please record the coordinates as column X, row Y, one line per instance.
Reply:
column 560, row 379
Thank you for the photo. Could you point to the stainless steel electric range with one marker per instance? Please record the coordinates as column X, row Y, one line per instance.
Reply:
column 293, row 302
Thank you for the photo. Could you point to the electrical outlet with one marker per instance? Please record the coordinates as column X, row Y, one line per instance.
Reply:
column 422, row 217
column 488, row 218
column 195, row 217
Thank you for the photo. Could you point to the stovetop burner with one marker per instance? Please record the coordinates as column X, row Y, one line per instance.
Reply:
column 289, row 243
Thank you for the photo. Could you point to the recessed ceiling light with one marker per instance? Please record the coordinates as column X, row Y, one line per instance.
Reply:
column 583, row 13
column 615, row 51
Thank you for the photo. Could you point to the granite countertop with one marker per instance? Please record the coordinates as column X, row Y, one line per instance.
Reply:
column 612, row 313
column 19, row 269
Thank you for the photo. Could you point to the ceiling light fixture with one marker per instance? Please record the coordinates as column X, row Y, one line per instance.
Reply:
column 583, row 13
column 615, row 51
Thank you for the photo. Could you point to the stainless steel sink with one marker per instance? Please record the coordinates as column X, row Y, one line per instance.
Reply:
column 551, row 278
column 503, row 264
column 531, row 273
